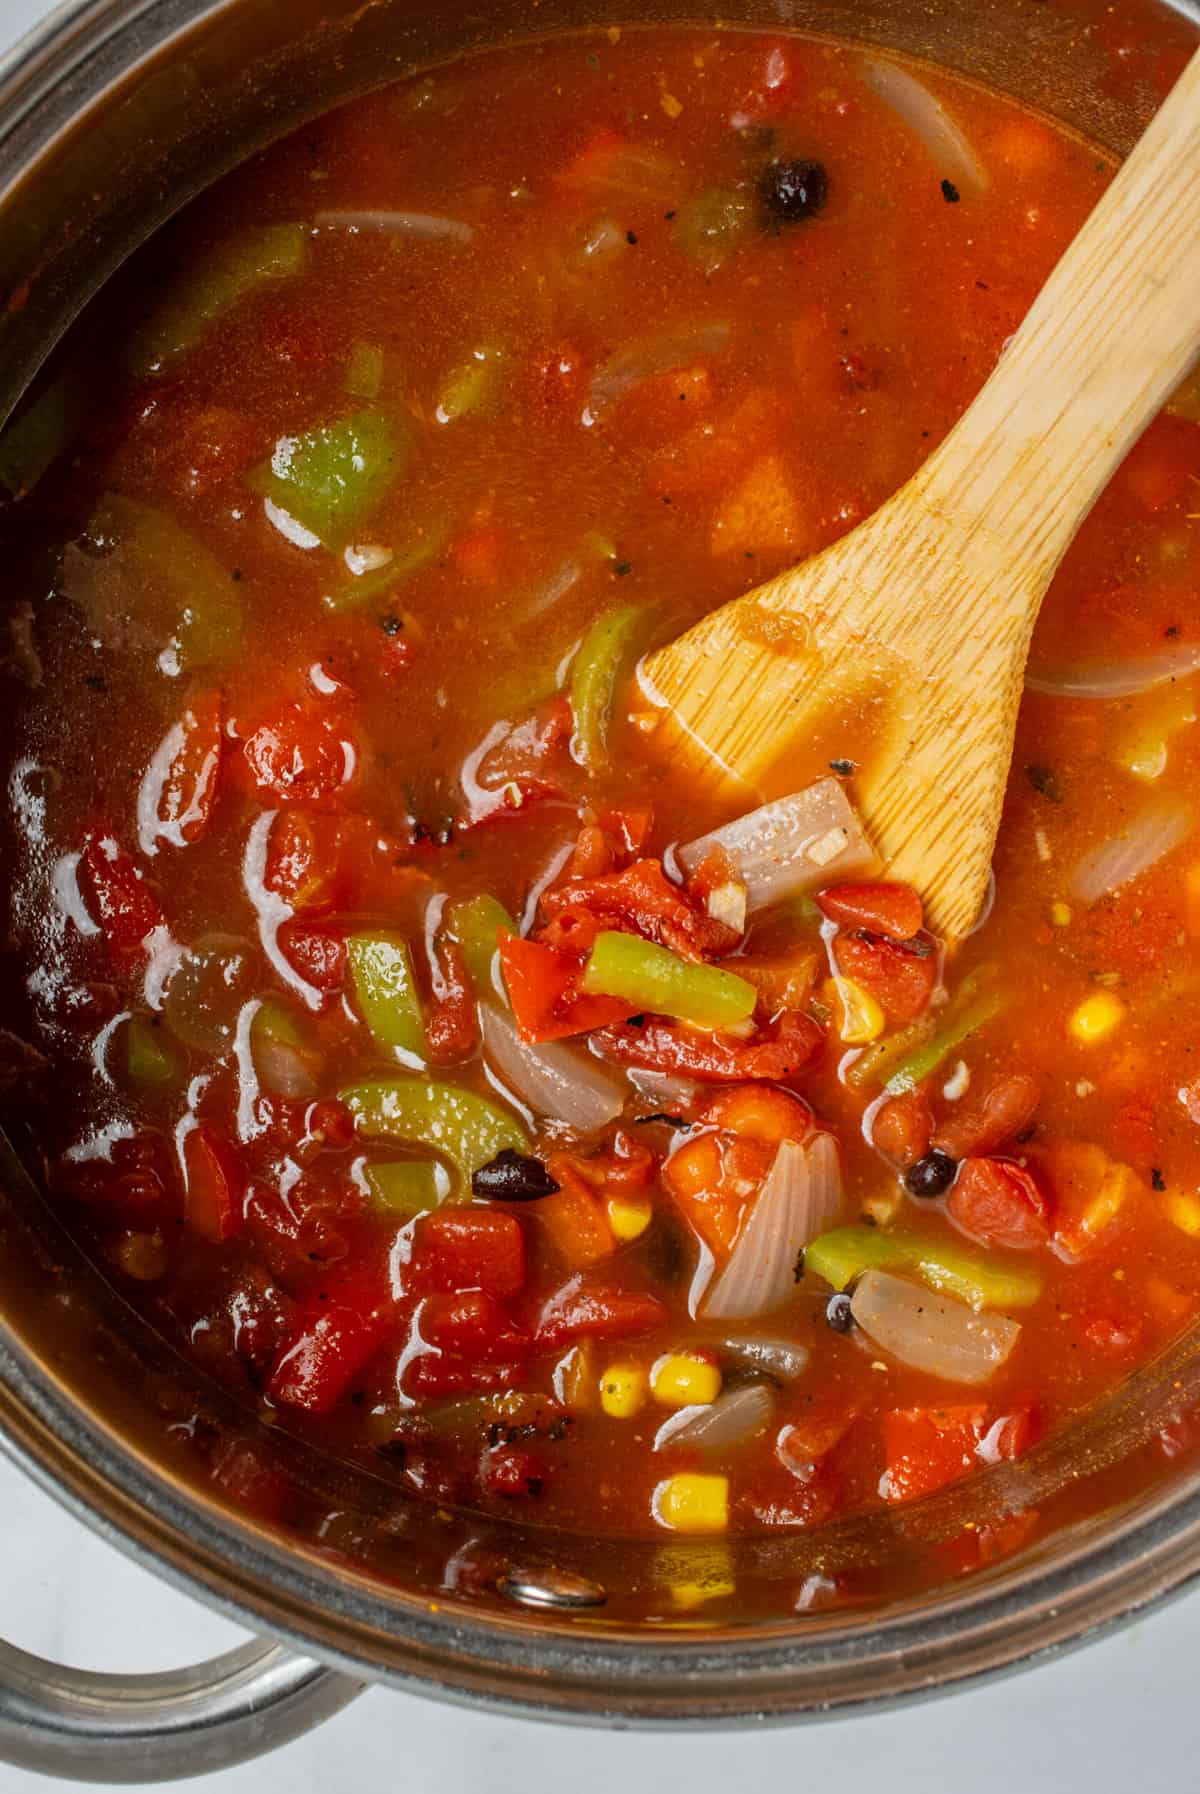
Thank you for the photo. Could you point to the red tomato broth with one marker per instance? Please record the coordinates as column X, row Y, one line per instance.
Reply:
column 480, row 1380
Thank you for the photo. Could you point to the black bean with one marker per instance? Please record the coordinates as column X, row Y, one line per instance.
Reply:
column 931, row 1175
column 513, row 1177
column 794, row 190
column 838, row 1313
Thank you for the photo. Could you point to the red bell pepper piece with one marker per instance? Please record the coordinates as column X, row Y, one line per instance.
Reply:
column 542, row 986
column 214, row 1186
column 999, row 1204
column 879, row 907
column 468, row 1249
column 779, row 1052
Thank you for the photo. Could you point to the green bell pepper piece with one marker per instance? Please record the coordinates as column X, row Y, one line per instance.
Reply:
column 377, row 586
column 150, row 1059
column 926, row 1058
column 409, row 1186
column 364, row 371
column 647, row 976
column 158, row 579
column 464, row 1127
column 332, row 478
column 595, row 674
column 843, row 1254
column 475, row 923
column 207, row 290
column 709, row 226
column 382, row 969
column 34, row 440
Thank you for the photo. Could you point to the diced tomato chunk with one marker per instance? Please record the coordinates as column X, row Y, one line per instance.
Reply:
column 777, row 1053
column 926, row 1448
column 298, row 756
column 332, row 1344
column 902, row 1128
column 451, row 1025
column 214, row 1185
column 472, row 1325
column 513, row 1471
column 899, row 975
column 318, row 955
column 542, row 985
column 642, row 900
column 879, row 907
column 468, row 1249
column 999, row 1204
column 1003, row 1115
column 180, row 785
column 116, row 896
column 584, row 1309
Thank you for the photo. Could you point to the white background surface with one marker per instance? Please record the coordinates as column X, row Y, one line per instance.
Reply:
column 1122, row 1717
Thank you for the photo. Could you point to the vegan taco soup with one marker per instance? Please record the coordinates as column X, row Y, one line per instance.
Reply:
column 453, row 1077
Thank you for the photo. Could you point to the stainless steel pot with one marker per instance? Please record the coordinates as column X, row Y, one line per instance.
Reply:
column 111, row 115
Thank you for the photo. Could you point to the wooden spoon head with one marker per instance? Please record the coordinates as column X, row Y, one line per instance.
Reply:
column 884, row 649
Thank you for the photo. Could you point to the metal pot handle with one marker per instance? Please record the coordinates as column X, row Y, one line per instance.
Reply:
column 82, row 1725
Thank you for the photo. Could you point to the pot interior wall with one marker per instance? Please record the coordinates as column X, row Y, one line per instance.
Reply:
column 96, row 1400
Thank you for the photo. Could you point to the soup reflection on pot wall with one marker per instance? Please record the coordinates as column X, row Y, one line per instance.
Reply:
column 325, row 767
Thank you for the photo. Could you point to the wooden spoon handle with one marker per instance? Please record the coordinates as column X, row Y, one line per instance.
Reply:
column 1111, row 334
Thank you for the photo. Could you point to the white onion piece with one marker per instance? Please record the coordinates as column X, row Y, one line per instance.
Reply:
column 665, row 1090
column 426, row 227
column 1152, row 833
column 801, row 1197
column 628, row 171
column 647, row 356
column 930, row 1333
column 793, row 845
column 719, row 1425
column 1116, row 678
column 925, row 115
column 283, row 1070
column 561, row 1082
column 780, row 1358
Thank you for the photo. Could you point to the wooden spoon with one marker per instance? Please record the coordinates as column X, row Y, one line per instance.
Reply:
column 926, row 609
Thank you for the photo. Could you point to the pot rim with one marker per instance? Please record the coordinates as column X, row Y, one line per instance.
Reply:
column 834, row 1665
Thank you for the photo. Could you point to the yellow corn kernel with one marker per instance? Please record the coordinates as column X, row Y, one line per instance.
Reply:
column 1060, row 915
column 680, row 1381
column 623, row 1390
column 882, row 1206
column 628, row 1219
column 1184, row 1210
column 858, row 1018
column 694, row 1574
column 1096, row 1017
column 691, row 1502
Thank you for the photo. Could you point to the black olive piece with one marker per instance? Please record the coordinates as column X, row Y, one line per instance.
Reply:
column 794, row 190
column 931, row 1175
column 838, row 1313
column 513, row 1177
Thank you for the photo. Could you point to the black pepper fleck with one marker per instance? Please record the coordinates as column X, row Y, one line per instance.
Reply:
column 1157, row 1180
column 950, row 193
